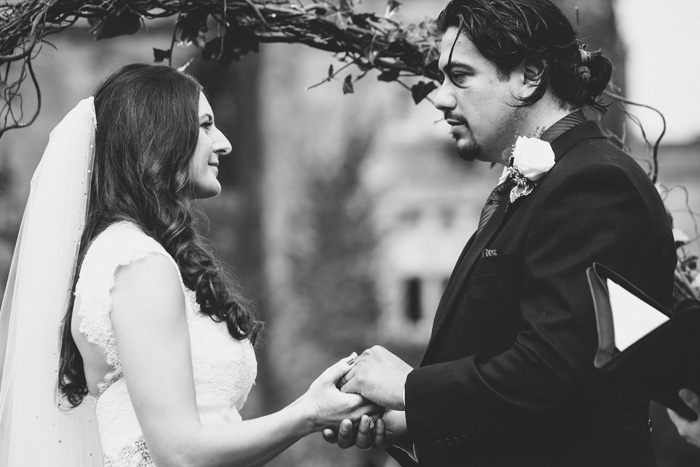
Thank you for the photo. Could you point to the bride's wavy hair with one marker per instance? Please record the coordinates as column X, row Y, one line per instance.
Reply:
column 147, row 132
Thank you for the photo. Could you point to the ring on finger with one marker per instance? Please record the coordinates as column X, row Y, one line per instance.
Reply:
column 371, row 423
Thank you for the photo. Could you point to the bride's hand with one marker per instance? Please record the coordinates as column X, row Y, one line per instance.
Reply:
column 328, row 406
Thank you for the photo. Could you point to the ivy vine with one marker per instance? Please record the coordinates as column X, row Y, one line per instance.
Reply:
column 224, row 31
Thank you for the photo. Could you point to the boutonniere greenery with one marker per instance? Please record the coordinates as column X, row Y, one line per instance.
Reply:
column 531, row 159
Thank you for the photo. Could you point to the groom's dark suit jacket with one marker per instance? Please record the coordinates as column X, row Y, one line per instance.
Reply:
column 508, row 377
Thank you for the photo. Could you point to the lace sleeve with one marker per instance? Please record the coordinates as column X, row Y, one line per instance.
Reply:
column 119, row 245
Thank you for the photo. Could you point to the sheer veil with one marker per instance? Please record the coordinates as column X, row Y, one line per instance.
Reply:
column 34, row 431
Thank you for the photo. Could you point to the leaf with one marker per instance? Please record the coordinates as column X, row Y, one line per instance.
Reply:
column 363, row 20
column 389, row 75
column 392, row 6
column 340, row 21
column 242, row 41
column 396, row 38
column 347, row 5
column 432, row 71
column 200, row 41
column 421, row 89
column 230, row 47
column 115, row 24
column 348, row 87
column 192, row 25
column 160, row 55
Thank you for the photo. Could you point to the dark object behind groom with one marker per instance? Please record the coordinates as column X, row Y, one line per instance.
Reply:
column 508, row 377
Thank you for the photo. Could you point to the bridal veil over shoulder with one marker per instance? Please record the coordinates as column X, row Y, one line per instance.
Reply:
column 34, row 430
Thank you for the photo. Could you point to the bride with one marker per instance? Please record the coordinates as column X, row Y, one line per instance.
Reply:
column 155, row 347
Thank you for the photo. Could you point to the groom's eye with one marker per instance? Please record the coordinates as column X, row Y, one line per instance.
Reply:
column 459, row 77
column 457, row 74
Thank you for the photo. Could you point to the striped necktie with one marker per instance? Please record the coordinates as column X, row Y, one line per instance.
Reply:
column 494, row 200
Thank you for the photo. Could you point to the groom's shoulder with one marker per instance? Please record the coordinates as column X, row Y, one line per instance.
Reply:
column 595, row 154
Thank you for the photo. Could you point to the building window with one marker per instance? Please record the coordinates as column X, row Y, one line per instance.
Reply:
column 413, row 299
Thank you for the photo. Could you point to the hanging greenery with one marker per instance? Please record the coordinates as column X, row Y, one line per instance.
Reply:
column 225, row 31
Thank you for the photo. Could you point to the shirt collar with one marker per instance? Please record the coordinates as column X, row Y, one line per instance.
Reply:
column 563, row 125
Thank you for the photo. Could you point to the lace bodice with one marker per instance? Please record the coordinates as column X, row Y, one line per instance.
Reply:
column 224, row 368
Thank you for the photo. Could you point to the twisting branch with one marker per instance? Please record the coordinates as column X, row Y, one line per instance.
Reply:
column 655, row 147
column 11, row 93
column 367, row 40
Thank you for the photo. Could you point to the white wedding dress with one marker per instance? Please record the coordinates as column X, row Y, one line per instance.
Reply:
column 224, row 367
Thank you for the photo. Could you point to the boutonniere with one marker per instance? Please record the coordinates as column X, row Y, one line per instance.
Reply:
column 532, row 158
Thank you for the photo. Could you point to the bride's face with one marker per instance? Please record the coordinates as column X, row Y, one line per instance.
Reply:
column 211, row 145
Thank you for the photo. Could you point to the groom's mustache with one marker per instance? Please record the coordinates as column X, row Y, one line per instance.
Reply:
column 454, row 119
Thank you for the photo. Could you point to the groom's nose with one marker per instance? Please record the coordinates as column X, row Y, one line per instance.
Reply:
column 445, row 100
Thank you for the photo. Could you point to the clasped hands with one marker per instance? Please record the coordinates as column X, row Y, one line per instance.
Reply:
column 380, row 377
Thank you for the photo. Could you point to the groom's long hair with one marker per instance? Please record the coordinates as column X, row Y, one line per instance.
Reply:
column 508, row 32
column 147, row 132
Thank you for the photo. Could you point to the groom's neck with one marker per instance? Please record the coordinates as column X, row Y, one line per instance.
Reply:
column 543, row 114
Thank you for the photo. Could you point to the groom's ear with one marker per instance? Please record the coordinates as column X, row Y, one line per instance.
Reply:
column 532, row 72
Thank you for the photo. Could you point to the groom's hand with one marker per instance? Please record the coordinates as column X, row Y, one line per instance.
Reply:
column 388, row 430
column 690, row 430
column 380, row 376
column 349, row 435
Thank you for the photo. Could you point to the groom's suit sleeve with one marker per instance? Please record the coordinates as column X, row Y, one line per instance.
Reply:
column 595, row 213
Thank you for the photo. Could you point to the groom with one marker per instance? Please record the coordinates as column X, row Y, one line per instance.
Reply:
column 508, row 378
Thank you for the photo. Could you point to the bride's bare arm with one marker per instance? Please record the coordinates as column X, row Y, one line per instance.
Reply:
column 150, row 327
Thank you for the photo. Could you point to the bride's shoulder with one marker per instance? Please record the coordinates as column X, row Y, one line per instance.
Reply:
column 119, row 244
column 123, row 236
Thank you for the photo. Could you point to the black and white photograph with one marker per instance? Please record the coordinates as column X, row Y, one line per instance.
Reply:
column 349, row 233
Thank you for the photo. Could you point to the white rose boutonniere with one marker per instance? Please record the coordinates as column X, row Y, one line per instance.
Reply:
column 531, row 159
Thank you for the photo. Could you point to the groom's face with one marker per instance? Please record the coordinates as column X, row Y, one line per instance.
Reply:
column 477, row 101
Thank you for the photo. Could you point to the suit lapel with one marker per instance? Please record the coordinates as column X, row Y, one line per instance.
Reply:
column 475, row 246
column 586, row 130
column 465, row 264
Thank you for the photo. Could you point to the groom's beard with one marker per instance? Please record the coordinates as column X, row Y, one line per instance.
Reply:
column 467, row 147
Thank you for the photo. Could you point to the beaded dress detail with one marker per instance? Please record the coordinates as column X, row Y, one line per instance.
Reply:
column 224, row 368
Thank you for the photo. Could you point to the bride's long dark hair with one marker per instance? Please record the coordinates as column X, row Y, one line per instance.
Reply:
column 147, row 131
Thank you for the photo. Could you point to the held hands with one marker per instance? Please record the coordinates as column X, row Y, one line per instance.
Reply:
column 378, row 375
column 327, row 406
column 687, row 429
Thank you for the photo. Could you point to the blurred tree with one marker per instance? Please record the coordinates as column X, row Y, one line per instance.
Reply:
column 10, row 217
column 239, row 211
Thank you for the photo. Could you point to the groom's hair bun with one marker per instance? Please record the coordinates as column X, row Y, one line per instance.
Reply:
column 510, row 32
